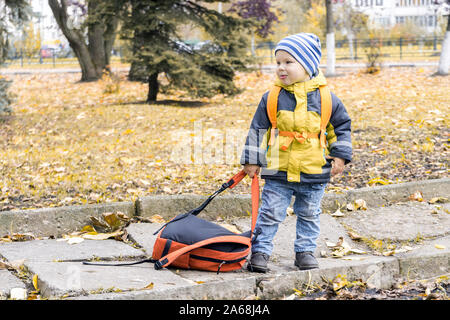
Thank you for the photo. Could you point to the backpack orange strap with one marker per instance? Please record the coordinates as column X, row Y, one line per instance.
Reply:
column 272, row 108
column 325, row 113
column 171, row 257
column 236, row 179
column 255, row 193
column 300, row 137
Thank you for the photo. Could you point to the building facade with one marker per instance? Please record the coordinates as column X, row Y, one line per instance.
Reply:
column 388, row 13
column 44, row 21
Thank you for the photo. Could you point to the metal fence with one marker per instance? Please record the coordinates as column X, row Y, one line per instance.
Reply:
column 357, row 49
column 397, row 49
column 48, row 57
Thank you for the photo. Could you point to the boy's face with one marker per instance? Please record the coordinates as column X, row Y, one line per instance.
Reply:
column 288, row 69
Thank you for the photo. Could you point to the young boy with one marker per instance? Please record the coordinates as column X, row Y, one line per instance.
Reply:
column 295, row 167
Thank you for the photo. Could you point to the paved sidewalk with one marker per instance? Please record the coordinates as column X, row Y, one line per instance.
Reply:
column 407, row 239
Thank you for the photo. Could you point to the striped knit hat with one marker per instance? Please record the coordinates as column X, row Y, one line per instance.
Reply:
column 305, row 48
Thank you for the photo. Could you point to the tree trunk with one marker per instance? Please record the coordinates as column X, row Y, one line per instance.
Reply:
column 101, row 38
column 110, row 37
column 93, row 57
column 88, row 71
column 350, row 46
column 253, row 44
column 153, row 87
column 331, row 58
column 349, row 31
column 96, row 41
column 444, row 60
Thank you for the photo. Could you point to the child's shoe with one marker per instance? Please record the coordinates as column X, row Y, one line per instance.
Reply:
column 258, row 262
column 306, row 260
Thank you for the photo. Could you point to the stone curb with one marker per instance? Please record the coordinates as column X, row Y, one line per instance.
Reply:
column 379, row 272
column 217, row 290
column 46, row 222
column 384, row 195
column 60, row 220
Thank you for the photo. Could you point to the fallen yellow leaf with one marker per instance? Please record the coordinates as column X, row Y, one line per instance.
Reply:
column 437, row 200
column 156, row 218
column 149, row 286
column 354, row 236
column 337, row 213
column 88, row 228
column 360, row 204
column 339, row 282
column 102, row 236
column 417, row 196
column 114, row 219
column 438, row 246
column 99, row 223
column 378, row 180
column 35, row 282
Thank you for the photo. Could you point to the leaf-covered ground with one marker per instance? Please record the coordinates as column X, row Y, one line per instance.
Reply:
column 342, row 289
column 76, row 143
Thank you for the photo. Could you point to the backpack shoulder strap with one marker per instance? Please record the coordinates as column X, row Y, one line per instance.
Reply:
column 326, row 108
column 229, row 184
column 120, row 264
column 272, row 107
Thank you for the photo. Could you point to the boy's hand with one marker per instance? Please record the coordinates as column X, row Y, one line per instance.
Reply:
column 337, row 165
column 251, row 169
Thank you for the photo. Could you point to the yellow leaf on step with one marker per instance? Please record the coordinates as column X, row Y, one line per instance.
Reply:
column 102, row 236
column 35, row 282
column 88, row 228
column 149, row 286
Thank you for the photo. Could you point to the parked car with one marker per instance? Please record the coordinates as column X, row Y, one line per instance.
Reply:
column 46, row 53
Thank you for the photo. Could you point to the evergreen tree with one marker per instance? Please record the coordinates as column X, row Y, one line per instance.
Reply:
column 157, row 48
column 11, row 12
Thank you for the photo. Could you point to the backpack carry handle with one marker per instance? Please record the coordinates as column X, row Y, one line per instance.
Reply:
column 229, row 184
column 236, row 179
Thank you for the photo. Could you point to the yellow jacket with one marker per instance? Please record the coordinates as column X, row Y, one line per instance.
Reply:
column 298, row 110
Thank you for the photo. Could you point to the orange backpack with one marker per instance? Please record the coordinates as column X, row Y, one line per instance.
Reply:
column 325, row 114
column 189, row 242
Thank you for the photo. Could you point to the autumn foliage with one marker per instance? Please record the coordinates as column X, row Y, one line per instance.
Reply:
column 76, row 143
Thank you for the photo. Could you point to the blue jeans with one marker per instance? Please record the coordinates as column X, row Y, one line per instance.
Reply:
column 276, row 198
